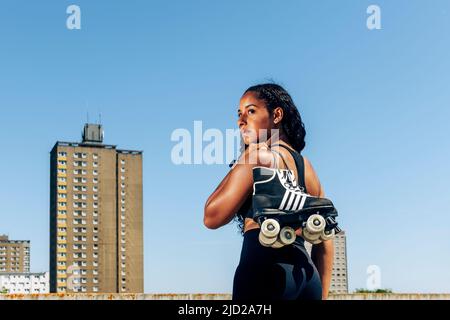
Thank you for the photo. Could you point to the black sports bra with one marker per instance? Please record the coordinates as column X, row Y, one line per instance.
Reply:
column 246, row 211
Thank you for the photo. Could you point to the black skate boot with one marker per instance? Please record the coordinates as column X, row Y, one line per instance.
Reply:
column 280, row 206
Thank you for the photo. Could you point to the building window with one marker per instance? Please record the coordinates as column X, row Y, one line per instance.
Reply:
column 95, row 180
column 95, row 164
column 95, row 172
column 62, row 154
column 94, row 156
column 95, row 188
column 122, row 161
column 122, row 170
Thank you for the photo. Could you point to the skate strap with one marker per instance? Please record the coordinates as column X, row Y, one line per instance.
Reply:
column 299, row 162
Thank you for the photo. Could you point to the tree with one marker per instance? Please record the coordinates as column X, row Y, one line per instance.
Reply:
column 360, row 290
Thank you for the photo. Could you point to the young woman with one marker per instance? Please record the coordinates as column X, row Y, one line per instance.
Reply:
column 264, row 272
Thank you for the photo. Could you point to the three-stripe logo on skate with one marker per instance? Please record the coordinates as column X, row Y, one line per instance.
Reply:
column 292, row 201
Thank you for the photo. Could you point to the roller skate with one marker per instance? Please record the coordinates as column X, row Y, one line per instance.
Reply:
column 280, row 207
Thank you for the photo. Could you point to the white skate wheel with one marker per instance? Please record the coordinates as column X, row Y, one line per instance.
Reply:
column 308, row 236
column 277, row 245
column 270, row 228
column 287, row 235
column 315, row 223
column 327, row 235
column 265, row 241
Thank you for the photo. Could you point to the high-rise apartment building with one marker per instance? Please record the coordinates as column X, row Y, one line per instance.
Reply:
column 96, row 216
column 24, row 283
column 14, row 255
column 339, row 276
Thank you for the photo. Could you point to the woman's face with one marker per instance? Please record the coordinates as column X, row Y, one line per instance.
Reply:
column 253, row 116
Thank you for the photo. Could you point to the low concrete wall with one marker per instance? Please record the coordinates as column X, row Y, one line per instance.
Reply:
column 391, row 296
column 190, row 296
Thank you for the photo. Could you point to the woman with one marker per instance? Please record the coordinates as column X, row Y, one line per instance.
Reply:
column 263, row 272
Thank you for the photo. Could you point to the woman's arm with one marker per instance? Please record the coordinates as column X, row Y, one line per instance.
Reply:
column 234, row 189
column 322, row 254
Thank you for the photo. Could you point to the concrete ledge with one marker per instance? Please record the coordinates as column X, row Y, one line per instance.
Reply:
column 208, row 296
column 391, row 296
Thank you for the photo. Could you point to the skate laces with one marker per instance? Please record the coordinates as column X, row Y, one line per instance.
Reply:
column 289, row 181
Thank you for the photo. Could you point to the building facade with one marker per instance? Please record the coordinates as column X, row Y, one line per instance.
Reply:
column 96, row 216
column 339, row 277
column 14, row 255
column 24, row 283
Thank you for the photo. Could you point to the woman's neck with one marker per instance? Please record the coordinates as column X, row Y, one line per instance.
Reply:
column 277, row 139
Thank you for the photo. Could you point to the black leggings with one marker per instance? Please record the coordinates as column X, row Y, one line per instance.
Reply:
column 287, row 273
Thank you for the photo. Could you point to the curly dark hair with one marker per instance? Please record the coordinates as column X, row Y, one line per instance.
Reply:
column 292, row 125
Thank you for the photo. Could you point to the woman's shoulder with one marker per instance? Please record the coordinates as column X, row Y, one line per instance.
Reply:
column 312, row 179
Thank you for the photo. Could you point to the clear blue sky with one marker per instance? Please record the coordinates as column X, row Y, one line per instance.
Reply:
column 375, row 104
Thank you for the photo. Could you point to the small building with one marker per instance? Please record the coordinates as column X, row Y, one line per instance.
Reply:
column 24, row 283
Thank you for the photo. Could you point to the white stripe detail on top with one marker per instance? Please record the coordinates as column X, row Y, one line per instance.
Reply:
column 285, row 197
column 291, row 200
column 297, row 200
column 302, row 203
